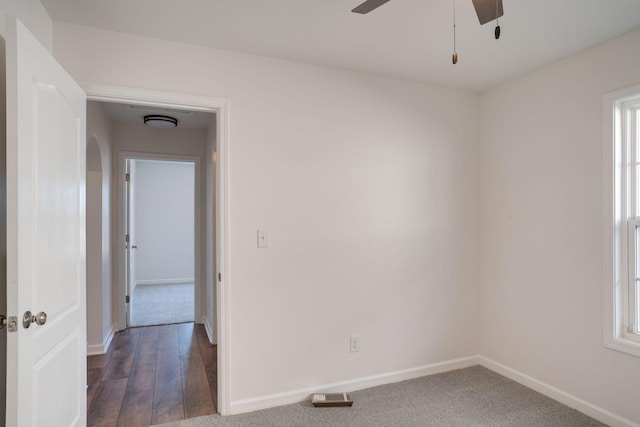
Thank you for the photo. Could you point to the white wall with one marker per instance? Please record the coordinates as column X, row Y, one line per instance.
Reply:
column 368, row 187
column 94, row 246
column 99, row 291
column 164, row 222
column 33, row 15
column 542, row 224
column 144, row 139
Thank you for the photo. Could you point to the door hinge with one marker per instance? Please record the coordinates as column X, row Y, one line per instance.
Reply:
column 127, row 177
column 126, row 238
column 126, row 299
column 219, row 277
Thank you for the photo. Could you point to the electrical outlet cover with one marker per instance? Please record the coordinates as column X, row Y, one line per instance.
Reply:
column 355, row 343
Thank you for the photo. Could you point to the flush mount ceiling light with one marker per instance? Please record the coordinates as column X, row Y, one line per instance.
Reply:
column 159, row 121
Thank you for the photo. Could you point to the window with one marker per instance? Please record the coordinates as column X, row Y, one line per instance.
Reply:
column 622, row 220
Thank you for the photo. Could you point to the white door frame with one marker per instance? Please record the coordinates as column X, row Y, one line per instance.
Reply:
column 198, row 224
column 219, row 106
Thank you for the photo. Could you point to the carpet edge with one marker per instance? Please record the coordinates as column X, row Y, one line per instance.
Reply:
column 594, row 411
column 294, row 396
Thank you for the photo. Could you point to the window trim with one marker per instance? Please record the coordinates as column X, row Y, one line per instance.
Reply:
column 630, row 315
column 617, row 227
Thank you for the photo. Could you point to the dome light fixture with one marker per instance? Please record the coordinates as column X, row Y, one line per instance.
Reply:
column 160, row 121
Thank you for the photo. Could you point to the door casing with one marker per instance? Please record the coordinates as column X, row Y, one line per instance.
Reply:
column 219, row 106
column 198, row 241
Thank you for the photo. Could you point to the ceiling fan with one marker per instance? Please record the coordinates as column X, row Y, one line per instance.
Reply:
column 487, row 11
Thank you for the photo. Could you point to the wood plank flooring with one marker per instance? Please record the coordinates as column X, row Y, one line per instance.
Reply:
column 153, row 375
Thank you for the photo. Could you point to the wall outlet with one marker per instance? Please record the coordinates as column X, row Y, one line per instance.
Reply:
column 355, row 343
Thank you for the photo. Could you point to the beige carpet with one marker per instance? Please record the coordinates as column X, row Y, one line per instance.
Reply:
column 467, row 397
column 162, row 304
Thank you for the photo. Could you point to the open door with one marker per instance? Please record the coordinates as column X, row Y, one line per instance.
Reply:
column 129, row 272
column 46, row 356
column 160, row 247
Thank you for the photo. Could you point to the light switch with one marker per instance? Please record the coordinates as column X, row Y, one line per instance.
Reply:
column 263, row 239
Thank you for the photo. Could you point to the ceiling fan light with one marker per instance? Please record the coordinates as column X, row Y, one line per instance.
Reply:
column 160, row 121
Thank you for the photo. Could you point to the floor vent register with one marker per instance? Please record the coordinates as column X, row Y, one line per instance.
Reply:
column 331, row 399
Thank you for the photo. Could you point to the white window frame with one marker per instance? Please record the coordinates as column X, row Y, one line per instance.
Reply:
column 620, row 119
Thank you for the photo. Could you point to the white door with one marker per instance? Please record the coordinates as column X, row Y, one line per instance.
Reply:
column 46, row 364
column 129, row 265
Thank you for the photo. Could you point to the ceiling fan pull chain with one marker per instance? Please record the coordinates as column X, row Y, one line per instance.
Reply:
column 454, row 57
column 497, row 30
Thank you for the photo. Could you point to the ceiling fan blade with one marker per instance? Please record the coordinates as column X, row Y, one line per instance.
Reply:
column 486, row 10
column 368, row 6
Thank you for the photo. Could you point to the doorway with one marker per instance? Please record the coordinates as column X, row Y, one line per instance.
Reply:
column 155, row 160
column 160, row 243
column 215, row 211
column 73, row 108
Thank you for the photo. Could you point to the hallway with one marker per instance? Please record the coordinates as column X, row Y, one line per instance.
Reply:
column 153, row 375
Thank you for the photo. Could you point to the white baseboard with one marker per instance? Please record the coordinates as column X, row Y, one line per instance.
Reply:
column 268, row 401
column 210, row 333
column 178, row 281
column 565, row 398
column 95, row 349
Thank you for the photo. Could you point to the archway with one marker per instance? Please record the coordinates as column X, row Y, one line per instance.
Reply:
column 95, row 306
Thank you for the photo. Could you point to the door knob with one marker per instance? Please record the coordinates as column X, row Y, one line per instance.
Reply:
column 3, row 321
column 39, row 319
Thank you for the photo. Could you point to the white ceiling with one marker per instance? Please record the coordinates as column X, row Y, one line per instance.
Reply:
column 134, row 114
column 408, row 39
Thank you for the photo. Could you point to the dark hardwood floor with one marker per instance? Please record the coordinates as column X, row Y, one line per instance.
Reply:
column 153, row 375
